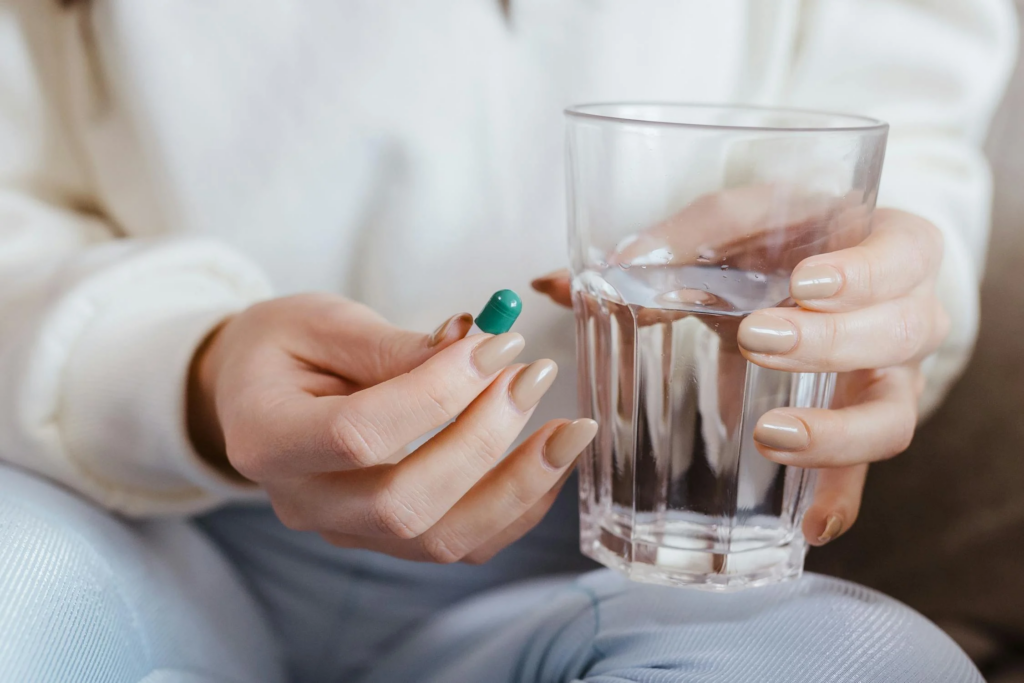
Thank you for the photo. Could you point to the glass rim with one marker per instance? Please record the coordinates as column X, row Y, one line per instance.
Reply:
column 856, row 122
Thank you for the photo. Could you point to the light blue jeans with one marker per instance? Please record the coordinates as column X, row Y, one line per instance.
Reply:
column 85, row 596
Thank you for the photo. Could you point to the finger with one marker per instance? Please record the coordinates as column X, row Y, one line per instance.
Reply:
column 878, row 425
column 881, row 335
column 519, row 528
column 431, row 480
column 555, row 285
column 754, row 226
column 509, row 491
column 407, row 550
column 902, row 251
column 337, row 433
column 355, row 342
column 521, row 489
column 404, row 500
column 836, row 503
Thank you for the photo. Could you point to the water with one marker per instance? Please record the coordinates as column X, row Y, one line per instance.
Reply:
column 673, row 489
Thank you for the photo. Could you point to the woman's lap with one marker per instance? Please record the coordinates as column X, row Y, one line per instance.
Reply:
column 86, row 596
column 351, row 615
column 157, row 595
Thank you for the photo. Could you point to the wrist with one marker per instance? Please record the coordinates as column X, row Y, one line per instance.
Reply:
column 204, row 426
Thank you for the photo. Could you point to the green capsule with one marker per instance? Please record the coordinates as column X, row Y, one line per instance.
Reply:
column 500, row 313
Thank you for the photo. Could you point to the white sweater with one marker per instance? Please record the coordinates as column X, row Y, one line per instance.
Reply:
column 165, row 163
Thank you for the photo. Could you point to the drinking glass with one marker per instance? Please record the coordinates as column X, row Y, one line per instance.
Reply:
column 684, row 219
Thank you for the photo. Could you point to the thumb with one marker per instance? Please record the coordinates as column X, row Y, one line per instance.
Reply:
column 391, row 351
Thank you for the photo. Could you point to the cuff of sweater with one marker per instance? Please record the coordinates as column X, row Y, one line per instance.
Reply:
column 123, row 414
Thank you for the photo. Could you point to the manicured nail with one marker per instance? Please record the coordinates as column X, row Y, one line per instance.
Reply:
column 833, row 527
column 763, row 333
column 568, row 442
column 532, row 383
column 782, row 432
column 497, row 352
column 818, row 281
column 457, row 324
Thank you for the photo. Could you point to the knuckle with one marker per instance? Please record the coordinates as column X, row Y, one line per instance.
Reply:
column 392, row 517
column 831, row 335
column 290, row 515
column 861, row 273
column 248, row 459
column 440, row 551
column 483, row 441
column 518, row 498
column 387, row 352
column 438, row 402
column 908, row 332
column 351, row 442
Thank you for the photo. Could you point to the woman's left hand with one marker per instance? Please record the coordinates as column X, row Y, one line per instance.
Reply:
column 869, row 312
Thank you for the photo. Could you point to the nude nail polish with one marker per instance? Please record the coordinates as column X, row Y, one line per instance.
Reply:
column 763, row 333
column 532, row 383
column 833, row 527
column 568, row 442
column 459, row 323
column 818, row 281
column 782, row 432
column 497, row 352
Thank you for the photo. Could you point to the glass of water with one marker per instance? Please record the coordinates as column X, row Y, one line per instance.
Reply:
column 684, row 219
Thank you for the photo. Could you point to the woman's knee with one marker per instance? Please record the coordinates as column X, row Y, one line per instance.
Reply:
column 82, row 587
column 809, row 630
column 63, row 610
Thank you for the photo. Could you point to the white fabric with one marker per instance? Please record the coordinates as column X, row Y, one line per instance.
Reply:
column 163, row 163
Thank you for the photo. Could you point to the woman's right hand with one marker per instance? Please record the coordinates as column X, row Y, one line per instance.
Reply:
column 313, row 396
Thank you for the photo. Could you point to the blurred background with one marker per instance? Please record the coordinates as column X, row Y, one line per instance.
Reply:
column 942, row 527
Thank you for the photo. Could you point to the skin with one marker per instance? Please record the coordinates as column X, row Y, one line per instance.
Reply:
column 314, row 398
column 875, row 330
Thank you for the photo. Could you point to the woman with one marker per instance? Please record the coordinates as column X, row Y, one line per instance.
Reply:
column 172, row 172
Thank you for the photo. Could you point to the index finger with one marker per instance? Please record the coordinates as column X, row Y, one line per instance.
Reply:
column 337, row 433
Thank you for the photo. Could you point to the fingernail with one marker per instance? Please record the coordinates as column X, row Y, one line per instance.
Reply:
column 763, row 333
column 497, row 352
column 532, row 383
column 459, row 323
column 568, row 442
column 833, row 527
column 818, row 281
column 782, row 432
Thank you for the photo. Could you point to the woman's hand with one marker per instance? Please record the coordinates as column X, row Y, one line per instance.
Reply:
column 869, row 312
column 314, row 396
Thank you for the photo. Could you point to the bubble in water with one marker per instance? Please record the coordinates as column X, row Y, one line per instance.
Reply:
column 725, row 267
column 705, row 254
column 755, row 276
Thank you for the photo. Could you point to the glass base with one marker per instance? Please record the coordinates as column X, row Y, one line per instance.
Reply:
column 693, row 562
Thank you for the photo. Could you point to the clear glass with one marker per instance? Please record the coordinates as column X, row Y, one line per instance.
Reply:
column 683, row 219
